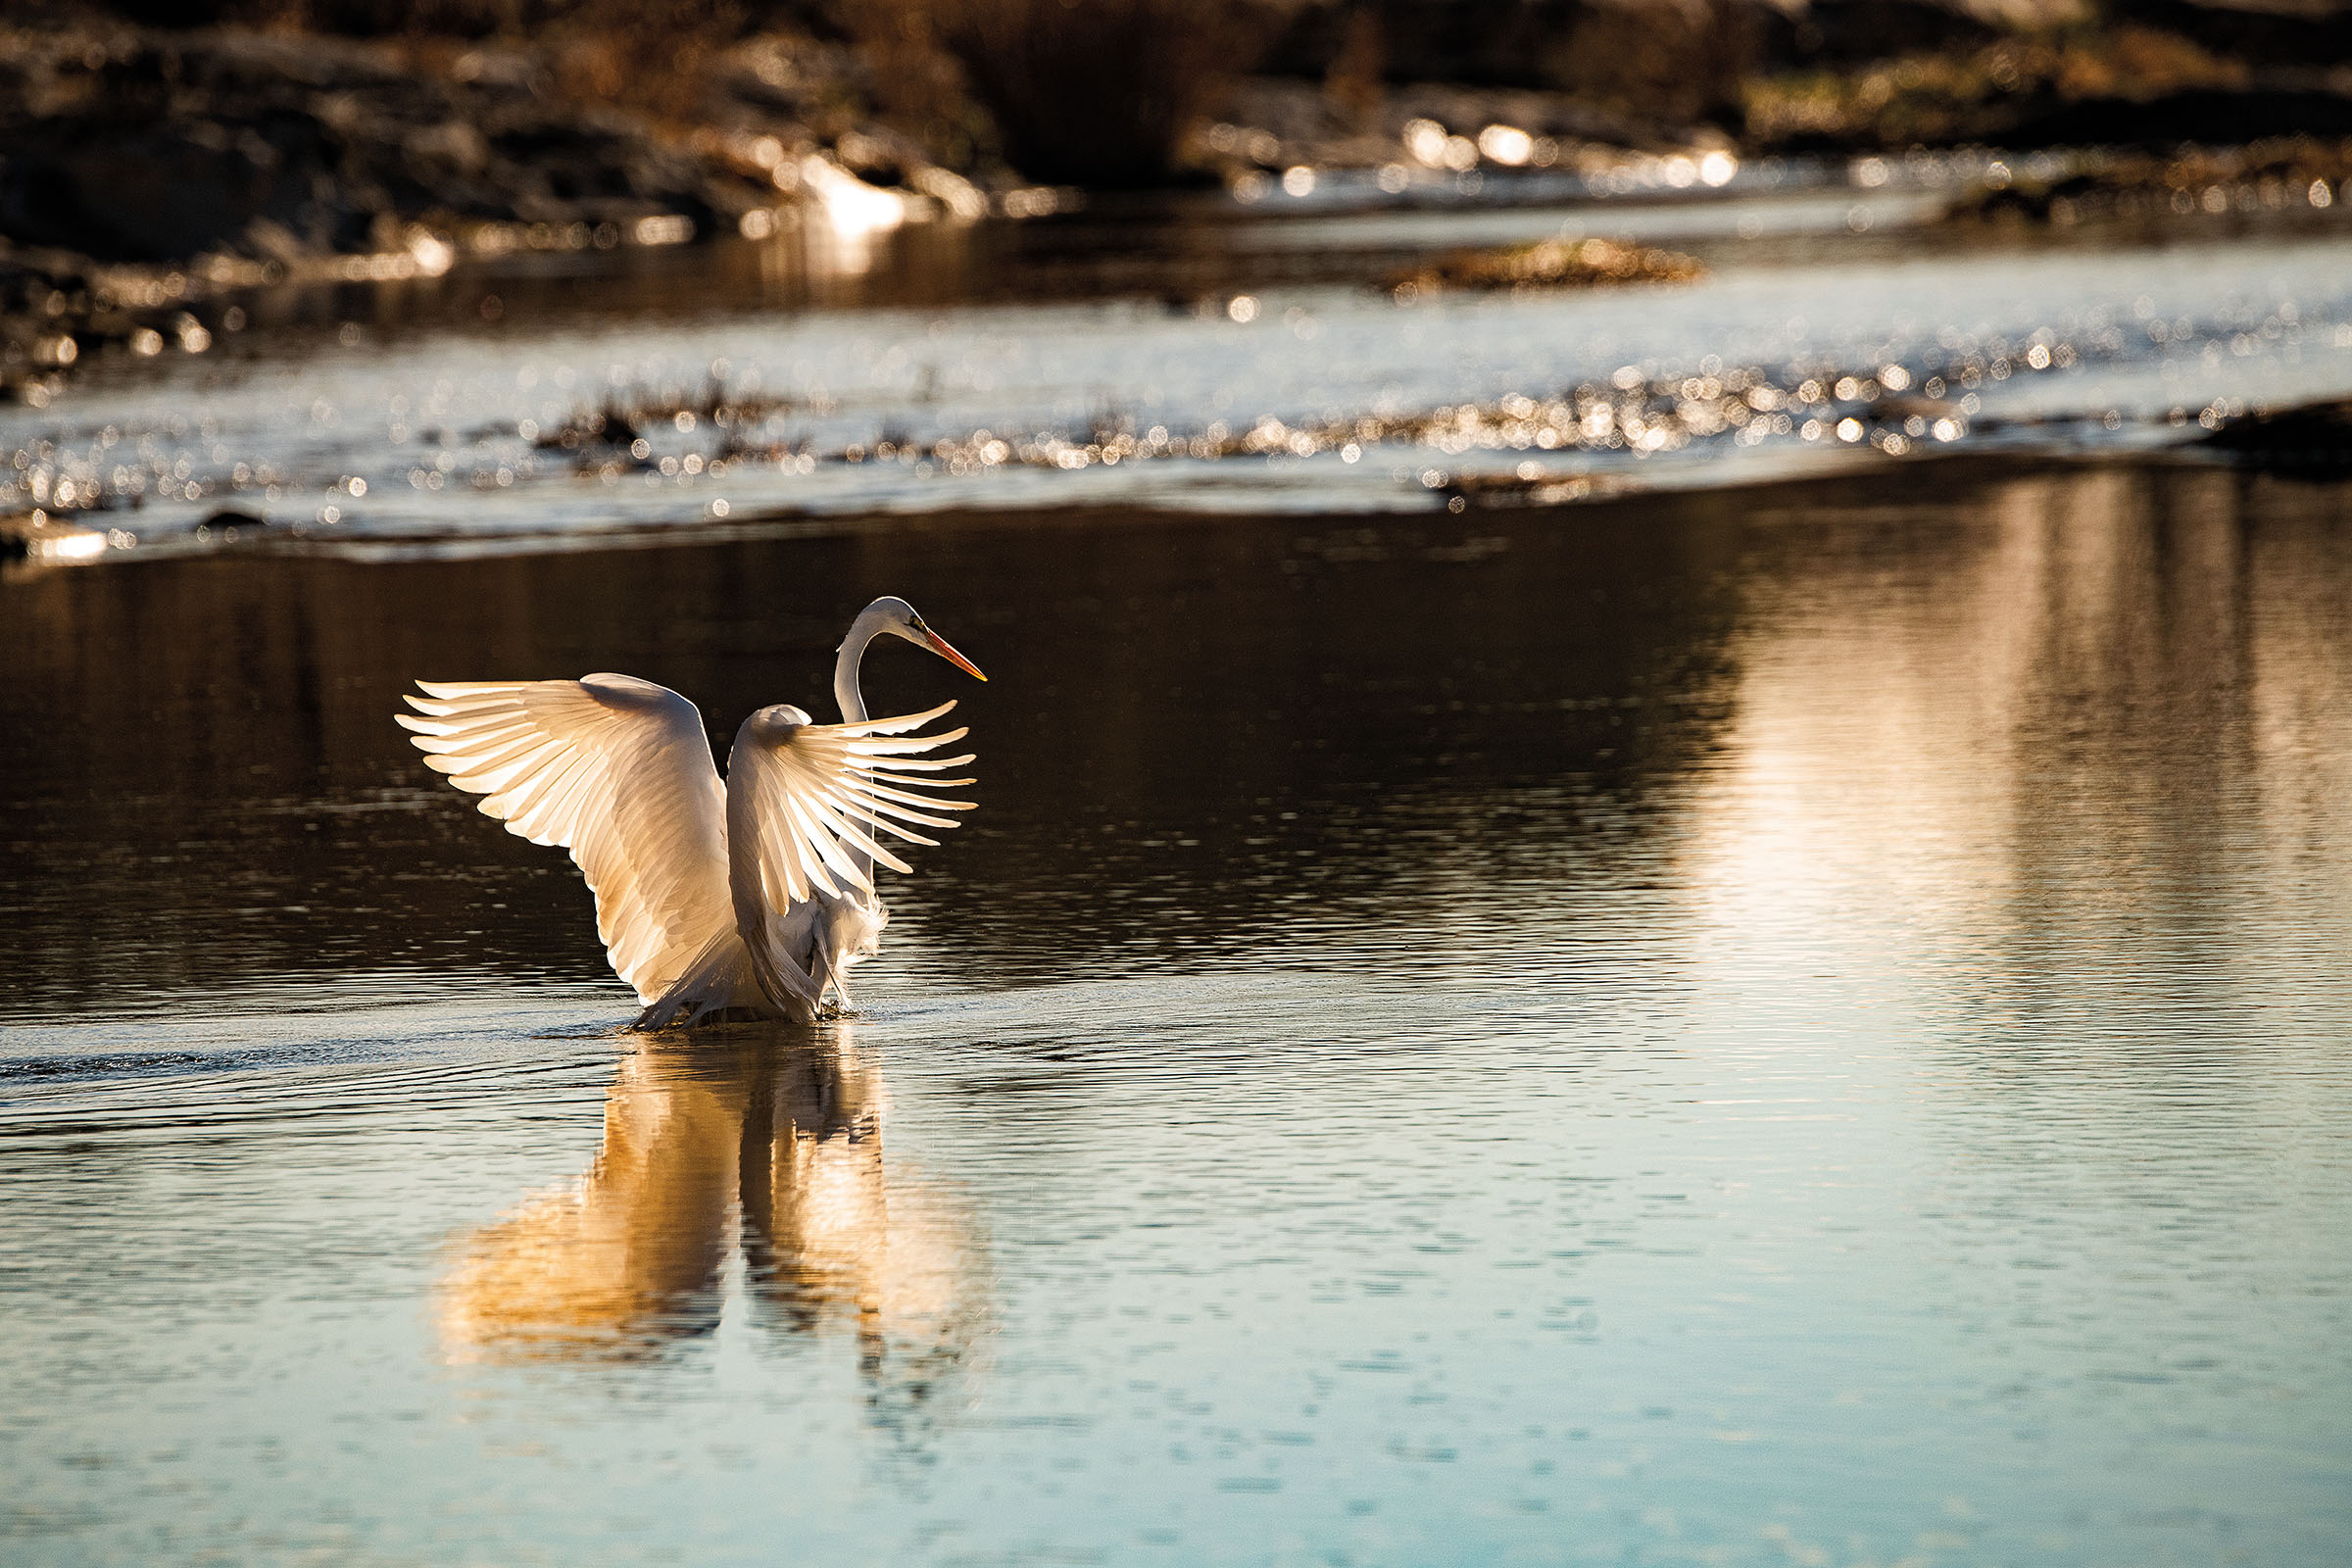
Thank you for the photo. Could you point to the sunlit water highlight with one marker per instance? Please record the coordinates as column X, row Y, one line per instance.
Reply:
column 1245, row 363
column 1798, row 1024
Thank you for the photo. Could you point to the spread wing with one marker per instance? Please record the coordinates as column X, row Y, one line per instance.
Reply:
column 812, row 807
column 619, row 771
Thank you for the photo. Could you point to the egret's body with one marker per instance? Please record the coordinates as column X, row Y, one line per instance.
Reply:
column 747, row 897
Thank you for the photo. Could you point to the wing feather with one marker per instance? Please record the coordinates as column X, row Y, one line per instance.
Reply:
column 619, row 771
column 837, row 818
column 843, row 806
column 494, row 774
column 871, row 813
column 805, row 802
column 901, row 724
column 941, row 766
column 519, row 798
column 556, row 808
column 879, row 793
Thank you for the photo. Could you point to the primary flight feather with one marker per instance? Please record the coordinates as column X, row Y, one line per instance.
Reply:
column 747, row 897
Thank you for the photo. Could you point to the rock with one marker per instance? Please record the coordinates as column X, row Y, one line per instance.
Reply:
column 453, row 145
column 162, row 147
column 1849, row 32
column 1665, row 63
column 155, row 195
column 2314, row 440
column 2212, row 116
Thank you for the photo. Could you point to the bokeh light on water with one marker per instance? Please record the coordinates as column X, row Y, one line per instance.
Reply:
column 1233, row 360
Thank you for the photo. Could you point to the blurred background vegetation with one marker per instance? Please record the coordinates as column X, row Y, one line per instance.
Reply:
column 223, row 142
column 1111, row 93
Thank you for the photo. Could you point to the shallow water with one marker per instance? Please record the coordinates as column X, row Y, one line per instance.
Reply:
column 1211, row 356
column 1796, row 1024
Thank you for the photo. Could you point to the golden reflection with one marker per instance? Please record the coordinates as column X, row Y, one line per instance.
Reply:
column 2080, row 717
column 761, row 1142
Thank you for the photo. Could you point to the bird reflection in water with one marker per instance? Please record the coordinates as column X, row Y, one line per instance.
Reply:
column 764, row 1138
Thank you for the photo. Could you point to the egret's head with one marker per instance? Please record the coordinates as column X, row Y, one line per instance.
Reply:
column 898, row 618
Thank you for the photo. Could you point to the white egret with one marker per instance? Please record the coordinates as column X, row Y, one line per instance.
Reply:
column 747, row 897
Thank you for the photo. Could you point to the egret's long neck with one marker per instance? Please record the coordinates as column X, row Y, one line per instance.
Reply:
column 863, row 632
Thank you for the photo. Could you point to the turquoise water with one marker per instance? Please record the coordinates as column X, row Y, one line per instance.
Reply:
column 1788, row 1025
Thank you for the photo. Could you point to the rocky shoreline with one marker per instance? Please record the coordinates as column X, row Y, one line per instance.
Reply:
column 149, row 174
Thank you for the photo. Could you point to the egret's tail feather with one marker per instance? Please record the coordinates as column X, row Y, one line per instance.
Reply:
column 720, row 986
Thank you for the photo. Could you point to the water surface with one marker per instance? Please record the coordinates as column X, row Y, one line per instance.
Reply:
column 1790, row 1024
column 1211, row 354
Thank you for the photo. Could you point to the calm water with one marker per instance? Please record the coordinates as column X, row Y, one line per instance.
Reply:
column 1790, row 1025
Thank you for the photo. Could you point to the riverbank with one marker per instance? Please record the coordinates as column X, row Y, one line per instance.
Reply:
column 150, row 177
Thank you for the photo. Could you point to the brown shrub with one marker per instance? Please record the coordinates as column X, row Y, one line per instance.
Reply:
column 1096, row 92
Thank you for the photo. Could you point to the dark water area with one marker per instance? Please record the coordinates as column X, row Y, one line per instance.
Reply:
column 1184, row 687
column 1780, row 1023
